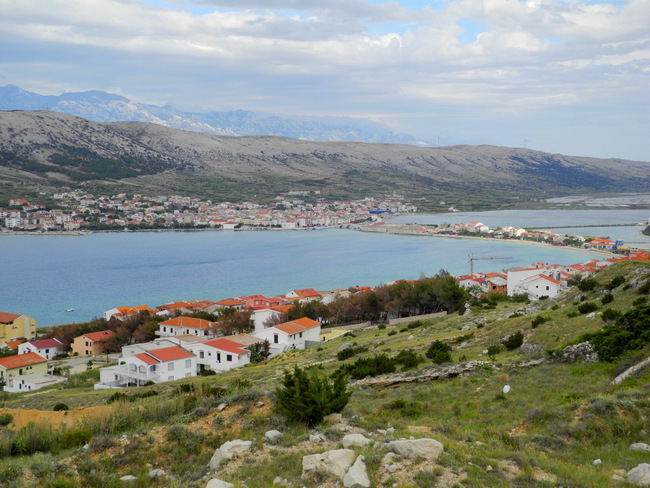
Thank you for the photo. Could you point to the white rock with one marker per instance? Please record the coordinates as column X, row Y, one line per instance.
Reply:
column 336, row 463
column 155, row 473
column 222, row 407
column 506, row 388
column 128, row 477
column 355, row 440
column 217, row 483
column 357, row 476
column 640, row 475
column 228, row 451
column 640, row 446
column 429, row 449
column 591, row 315
column 410, row 338
column 317, row 438
column 273, row 436
column 596, row 462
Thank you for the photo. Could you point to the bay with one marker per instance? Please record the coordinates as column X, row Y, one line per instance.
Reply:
column 42, row 276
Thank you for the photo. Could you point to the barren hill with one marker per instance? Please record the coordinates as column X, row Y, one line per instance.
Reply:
column 49, row 149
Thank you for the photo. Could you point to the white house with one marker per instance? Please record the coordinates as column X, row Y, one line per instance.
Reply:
column 186, row 326
column 539, row 286
column 156, row 365
column 220, row 354
column 290, row 335
column 46, row 348
column 31, row 382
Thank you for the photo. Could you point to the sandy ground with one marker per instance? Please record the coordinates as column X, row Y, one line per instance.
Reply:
column 69, row 418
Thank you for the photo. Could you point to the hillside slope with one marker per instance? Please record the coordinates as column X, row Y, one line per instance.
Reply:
column 51, row 149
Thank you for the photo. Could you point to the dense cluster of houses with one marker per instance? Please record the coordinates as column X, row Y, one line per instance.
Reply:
column 78, row 211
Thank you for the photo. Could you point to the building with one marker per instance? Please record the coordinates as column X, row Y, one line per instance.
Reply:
column 220, row 354
column 46, row 348
column 22, row 364
column 90, row 344
column 155, row 366
column 186, row 326
column 32, row 381
column 297, row 334
column 14, row 326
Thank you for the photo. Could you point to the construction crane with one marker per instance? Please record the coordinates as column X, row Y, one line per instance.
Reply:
column 487, row 258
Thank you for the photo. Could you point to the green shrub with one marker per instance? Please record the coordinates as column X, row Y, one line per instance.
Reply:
column 409, row 359
column 587, row 284
column 630, row 333
column 381, row 326
column 415, row 325
column 615, row 282
column 392, row 332
column 6, row 419
column 572, row 314
column 587, row 307
column 371, row 366
column 207, row 372
column 608, row 298
column 610, row 315
column 59, row 407
column 639, row 301
column 75, row 438
column 514, row 341
column 307, row 397
column 439, row 352
column 539, row 320
column 350, row 352
column 492, row 351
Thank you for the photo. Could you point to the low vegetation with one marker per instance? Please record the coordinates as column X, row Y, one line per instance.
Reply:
column 545, row 430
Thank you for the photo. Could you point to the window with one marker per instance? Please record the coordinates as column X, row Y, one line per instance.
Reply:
column 188, row 363
column 276, row 338
column 201, row 354
column 164, row 329
column 300, row 335
column 228, row 357
column 547, row 288
column 170, row 367
column 218, row 357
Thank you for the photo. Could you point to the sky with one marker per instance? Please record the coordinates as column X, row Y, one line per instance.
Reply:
column 570, row 77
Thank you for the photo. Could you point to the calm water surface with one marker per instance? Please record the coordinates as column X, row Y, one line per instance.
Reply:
column 42, row 276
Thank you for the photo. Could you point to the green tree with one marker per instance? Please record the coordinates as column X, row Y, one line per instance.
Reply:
column 307, row 397
column 439, row 352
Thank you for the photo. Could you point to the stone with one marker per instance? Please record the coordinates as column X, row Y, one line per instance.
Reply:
column 357, row 476
column 597, row 462
column 228, row 451
column 217, row 483
column 640, row 446
column 355, row 440
column 279, row 480
column 336, row 463
column 579, row 352
column 429, row 449
column 506, row 388
column 639, row 476
column 410, row 338
column 591, row 315
column 317, row 438
column 259, row 404
column 333, row 418
column 222, row 407
column 390, row 430
column 345, row 346
column 273, row 436
column 389, row 458
column 128, row 477
column 156, row 473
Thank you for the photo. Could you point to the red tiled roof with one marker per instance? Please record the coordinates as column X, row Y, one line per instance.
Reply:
column 100, row 336
column 307, row 292
column 306, row 322
column 230, row 302
column 226, row 345
column 21, row 360
column 170, row 353
column 289, row 328
column 147, row 358
column 7, row 318
column 14, row 344
column 189, row 322
column 45, row 343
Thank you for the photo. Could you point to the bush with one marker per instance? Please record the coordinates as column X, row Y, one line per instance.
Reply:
column 539, row 320
column 60, row 407
column 492, row 351
column 415, row 325
column 372, row 366
column 616, row 282
column 587, row 284
column 381, row 326
column 514, row 341
column 6, row 419
column 608, row 298
column 409, row 359
column 349, row 352
column 392, row 332
column 610, row 315
column 75, row 438
column 630, row 333
column 306, row 397
column 587, row 307
column 439, row 352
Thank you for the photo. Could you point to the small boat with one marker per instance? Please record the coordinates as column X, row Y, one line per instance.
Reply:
column 69, row 310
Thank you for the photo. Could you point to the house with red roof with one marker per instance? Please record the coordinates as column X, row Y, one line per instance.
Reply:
column 186, row 326
column 90, row 344
column 46, row 348
column 538, row 286
column 22, row 364
column 13, row 345
column 155, row 365
column 124, row 313
column 304, row 295
column 14, row 326
column 234, row 303
column 175, row 308
column 297, row 334
column 220, row 354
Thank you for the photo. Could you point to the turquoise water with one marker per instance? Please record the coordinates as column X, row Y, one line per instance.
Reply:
column 42, row 276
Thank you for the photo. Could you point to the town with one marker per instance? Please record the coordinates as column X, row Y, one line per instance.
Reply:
column 199, row 337
column 79, row 212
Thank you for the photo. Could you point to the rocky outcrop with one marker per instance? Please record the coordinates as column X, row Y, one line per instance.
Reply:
column 217, row 483
column 583, row 352
column 426, row 374
column 273, row 436
column 357, row 475
column 355, row 440
column 228, row 451
column 429, row 449
column 639, row 476
column 335, row 463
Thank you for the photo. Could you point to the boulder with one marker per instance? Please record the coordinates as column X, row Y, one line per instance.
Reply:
column 217, row 483
column 128, row 477
column 356, row 440
column 639, row 476
column 317, row 438
column 228, row 451
column 273, row 436
column 336, row 463
column 357, row 476
column 640, row 446
column 222, row 407
column 429, row 449
column 156, row 473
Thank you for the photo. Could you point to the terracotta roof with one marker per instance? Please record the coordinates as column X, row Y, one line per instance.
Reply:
column 44, row 343
column 99, row 336
column 147, row 358
column 231, row 302
column 226, row 345
column 7, row 318
column 306, row 322
column 289, row 328
column 307, row 292
column 171, row 353
column 14, row 344
column 21, row 360
column 190, row 322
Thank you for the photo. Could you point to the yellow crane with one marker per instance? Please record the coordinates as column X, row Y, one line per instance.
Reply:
column 487, row 258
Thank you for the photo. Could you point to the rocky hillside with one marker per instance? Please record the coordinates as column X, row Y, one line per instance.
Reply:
column 541, row 413
column 52, row 149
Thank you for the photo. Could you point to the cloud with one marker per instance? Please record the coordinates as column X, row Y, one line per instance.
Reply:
column 510, row 58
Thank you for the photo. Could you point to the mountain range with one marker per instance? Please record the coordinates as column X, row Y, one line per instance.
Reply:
column 107, row 107
column 48, row 150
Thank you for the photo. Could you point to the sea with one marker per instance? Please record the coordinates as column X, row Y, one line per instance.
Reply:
column 43, row 276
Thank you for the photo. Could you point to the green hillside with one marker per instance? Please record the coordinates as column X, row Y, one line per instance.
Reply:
column 559, row 416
